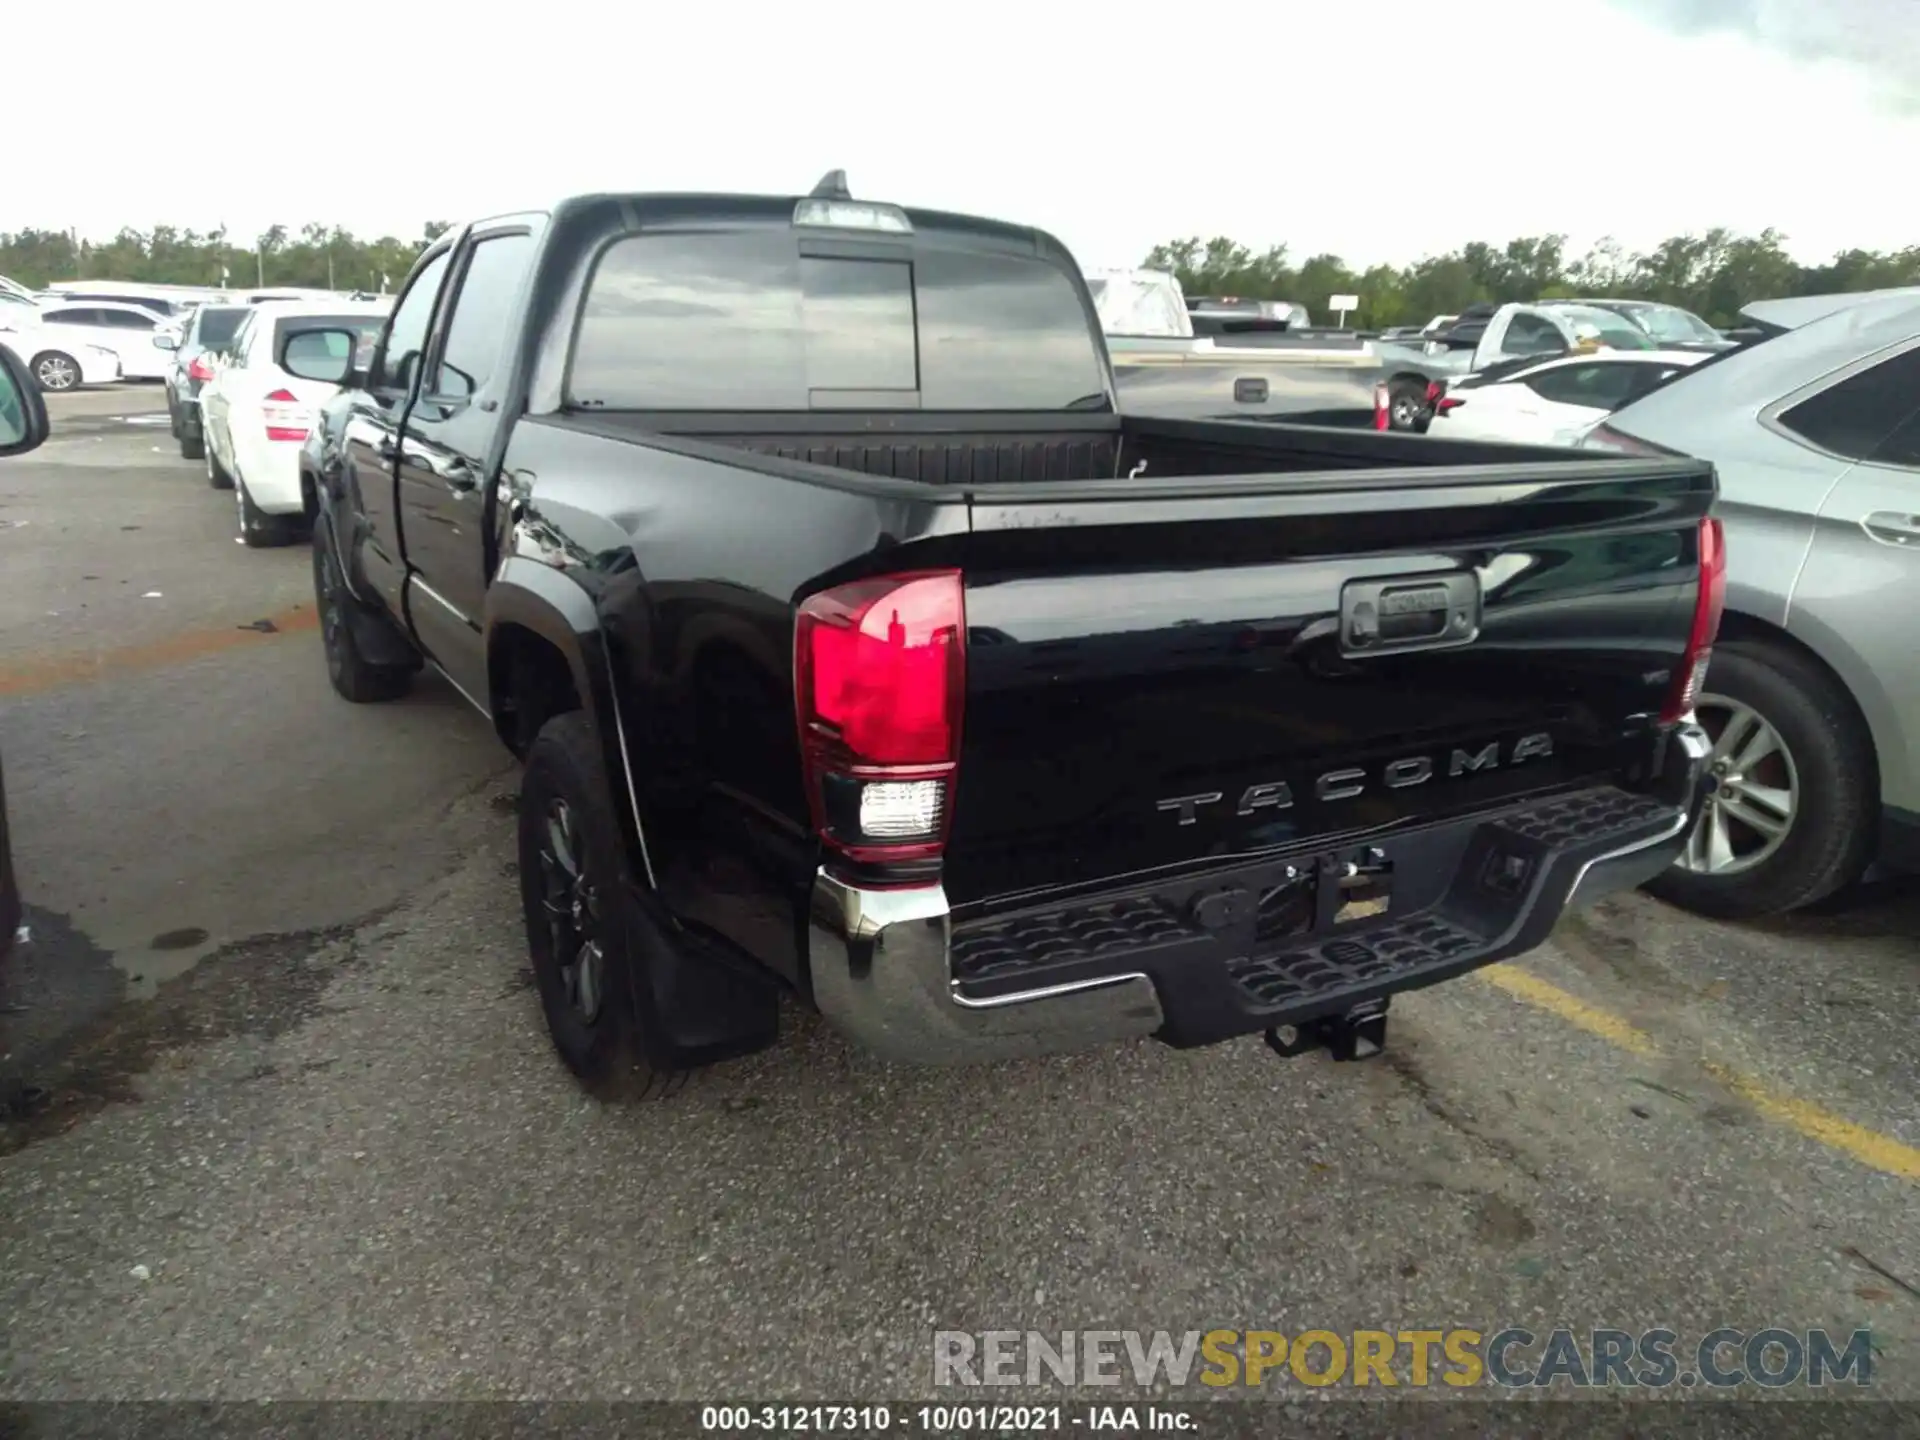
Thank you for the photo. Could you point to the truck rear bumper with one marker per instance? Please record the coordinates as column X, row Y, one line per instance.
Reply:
column 1280, row 943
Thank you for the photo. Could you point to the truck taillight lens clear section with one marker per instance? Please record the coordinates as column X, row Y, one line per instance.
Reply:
column 880, row 680
column 1382, row 408
column 1709, row 601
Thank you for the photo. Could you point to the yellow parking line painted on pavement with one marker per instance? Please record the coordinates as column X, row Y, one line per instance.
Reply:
column 35, row 677
column 1869, row 1147
column 1575, row 1011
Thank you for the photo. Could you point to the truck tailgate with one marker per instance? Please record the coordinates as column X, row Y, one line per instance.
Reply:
column 1165, row 676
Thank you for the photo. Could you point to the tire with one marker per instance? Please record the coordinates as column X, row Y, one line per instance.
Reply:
column 1407, row 406
column 173, row 417
column 217, row 476
column 56, row 371
column 193, row 447
column 259, row 529
column 353, row 675
column 1824, row 763
column 574, row 893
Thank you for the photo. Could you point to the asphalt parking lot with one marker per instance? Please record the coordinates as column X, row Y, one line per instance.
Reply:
column 280, row 1117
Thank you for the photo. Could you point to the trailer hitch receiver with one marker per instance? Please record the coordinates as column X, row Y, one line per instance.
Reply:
column 1359, row 1034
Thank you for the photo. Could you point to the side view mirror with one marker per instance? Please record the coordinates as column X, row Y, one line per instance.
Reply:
column 324, row 355
column 23, row 413
column 166, row 340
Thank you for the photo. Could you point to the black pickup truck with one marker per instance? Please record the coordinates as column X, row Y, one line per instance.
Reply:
column 857, row 647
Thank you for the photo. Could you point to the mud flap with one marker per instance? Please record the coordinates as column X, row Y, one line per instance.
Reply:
column 708, row 1005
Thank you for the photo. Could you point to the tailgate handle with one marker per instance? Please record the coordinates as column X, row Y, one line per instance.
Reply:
column 1398, row 613
column 1250, row 390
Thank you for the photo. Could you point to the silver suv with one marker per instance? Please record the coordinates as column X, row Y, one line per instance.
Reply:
column 1813, row 691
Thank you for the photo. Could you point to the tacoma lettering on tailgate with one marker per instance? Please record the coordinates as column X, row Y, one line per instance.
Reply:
column 1345, row 784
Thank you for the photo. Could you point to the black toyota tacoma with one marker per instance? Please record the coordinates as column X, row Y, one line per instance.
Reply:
column 856, row 647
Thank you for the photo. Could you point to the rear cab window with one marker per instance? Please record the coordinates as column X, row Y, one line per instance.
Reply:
column 777, row 318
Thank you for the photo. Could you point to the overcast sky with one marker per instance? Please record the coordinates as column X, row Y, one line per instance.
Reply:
column 1377, row 129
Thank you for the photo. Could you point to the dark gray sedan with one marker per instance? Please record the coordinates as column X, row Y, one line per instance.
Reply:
column 201, row 341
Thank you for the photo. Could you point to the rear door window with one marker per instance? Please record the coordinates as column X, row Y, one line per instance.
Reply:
column 744, row 320
column 1531, row 335
column 214, row 328
column 1854, row 417
column 1598, row 385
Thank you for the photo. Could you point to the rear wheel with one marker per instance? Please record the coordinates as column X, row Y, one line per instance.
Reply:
column 1407, row 405
column 1795, row 794
column 353, row 675
column 583, row 935
column 56, row 370
column 261, row 529
column 217, row 475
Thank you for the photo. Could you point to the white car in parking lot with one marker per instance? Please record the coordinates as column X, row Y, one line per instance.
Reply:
column 127, row 330
column 255, row 412
column 60, row 357
column 1552, row 402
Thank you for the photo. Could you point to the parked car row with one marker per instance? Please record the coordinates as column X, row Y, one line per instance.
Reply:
column 1813, row 696
column 1190, row 356
column 236, row 398
column 100, row 334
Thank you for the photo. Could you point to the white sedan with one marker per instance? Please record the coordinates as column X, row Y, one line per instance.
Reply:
column 127, row 330
column 1552, row 402
column 60, row 357
column 255, row 412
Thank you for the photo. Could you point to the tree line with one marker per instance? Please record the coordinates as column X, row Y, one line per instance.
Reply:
column 316, row 257
column 1713, row 275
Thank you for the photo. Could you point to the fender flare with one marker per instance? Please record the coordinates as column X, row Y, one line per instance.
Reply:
column 545, row 602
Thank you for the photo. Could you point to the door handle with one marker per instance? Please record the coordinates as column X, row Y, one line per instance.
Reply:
column 1890, row 527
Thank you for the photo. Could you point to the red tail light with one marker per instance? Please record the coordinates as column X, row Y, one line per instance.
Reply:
column 1708, row 603
column 199, row 369
column 1434, row 391
column 287, row 418
column 1446, row 404
column 880, row 680
column 1382, row 408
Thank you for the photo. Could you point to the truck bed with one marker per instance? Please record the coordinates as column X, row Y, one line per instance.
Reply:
column 1007, row 451
column 1188, row 607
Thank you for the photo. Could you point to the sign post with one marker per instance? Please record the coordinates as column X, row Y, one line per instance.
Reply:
column 1343, row 306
